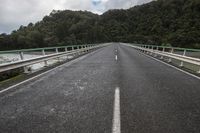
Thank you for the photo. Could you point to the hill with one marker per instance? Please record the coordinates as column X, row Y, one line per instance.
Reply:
column 161, row 22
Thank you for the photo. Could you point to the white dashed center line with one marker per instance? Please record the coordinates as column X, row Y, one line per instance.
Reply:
column 116, row 113
column 116, row 57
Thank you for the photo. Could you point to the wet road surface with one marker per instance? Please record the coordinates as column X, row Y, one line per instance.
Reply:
column 113, row 89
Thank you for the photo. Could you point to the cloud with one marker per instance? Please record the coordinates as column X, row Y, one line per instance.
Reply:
column 139, row 2
column 14, row 13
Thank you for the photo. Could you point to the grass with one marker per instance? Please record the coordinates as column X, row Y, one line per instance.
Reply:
column 12, row 79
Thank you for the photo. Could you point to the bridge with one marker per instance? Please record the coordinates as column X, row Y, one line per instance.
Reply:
column 105, row 88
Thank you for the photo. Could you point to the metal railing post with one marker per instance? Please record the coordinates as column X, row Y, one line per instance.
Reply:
column 86, row 48
column 74, row 54
column 184, row 53
column 148, row 47
column 66, row 51
column 45, row 62
column 199, row 70
column 22, row 58
column 57, row 53
column 77, row 48
column 142, row 48
column 170, row 59
column 156, row 51
column 152, row 50
column 56, row 50
column 79, row 52
column 21, row 55
column 163, row 50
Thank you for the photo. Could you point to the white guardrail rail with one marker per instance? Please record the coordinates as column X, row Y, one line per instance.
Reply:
column 53, row 53
column 183, row 55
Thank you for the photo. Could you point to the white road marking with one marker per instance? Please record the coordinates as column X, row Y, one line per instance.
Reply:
column 116, row 113
column 66, row 64
column 116, row 58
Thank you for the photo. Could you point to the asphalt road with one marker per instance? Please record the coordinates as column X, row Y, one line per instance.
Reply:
column 151, row 97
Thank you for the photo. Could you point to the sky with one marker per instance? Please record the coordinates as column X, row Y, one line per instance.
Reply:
column 14, row 13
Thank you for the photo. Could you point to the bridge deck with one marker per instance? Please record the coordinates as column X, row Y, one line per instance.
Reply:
column 81, row 97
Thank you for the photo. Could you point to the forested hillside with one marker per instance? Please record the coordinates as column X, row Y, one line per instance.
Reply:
column 161, row 22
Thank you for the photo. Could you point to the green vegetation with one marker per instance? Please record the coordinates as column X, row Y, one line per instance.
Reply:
column 10, row 74
column 162, row 22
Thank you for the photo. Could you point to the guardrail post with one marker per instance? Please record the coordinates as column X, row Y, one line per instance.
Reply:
column 156, row 51
column 79, row 52
column 181, row 65
column 66, row 51
column 74, row 54
column 170, row 59
column 57, row 53
column 140, row 49
column 22, row 58
column 21, row 55
column 82, row 47
column 163, row 50
column 86, row 48
column 148, row 48
column 45, row 62
column 77, row 48
column 56, row 50
column 184, row 53
column 199, row 70
column 172, row 50
column 157, row 48
column 151, row 50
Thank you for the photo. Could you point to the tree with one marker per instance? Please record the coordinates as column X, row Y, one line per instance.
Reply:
column 174, row 22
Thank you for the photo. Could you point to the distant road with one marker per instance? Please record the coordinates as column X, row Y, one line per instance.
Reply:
column 114, row 89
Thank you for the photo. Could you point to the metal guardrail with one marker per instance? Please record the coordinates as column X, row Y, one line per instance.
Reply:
column 181, row 54
column 64, row 51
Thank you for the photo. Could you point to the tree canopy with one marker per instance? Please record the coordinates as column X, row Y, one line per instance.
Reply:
column 161, row 22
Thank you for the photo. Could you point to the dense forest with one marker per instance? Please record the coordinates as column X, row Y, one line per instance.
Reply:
column 161, row 22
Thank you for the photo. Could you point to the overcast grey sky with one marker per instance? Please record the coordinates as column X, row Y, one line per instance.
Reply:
column 14, row 13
